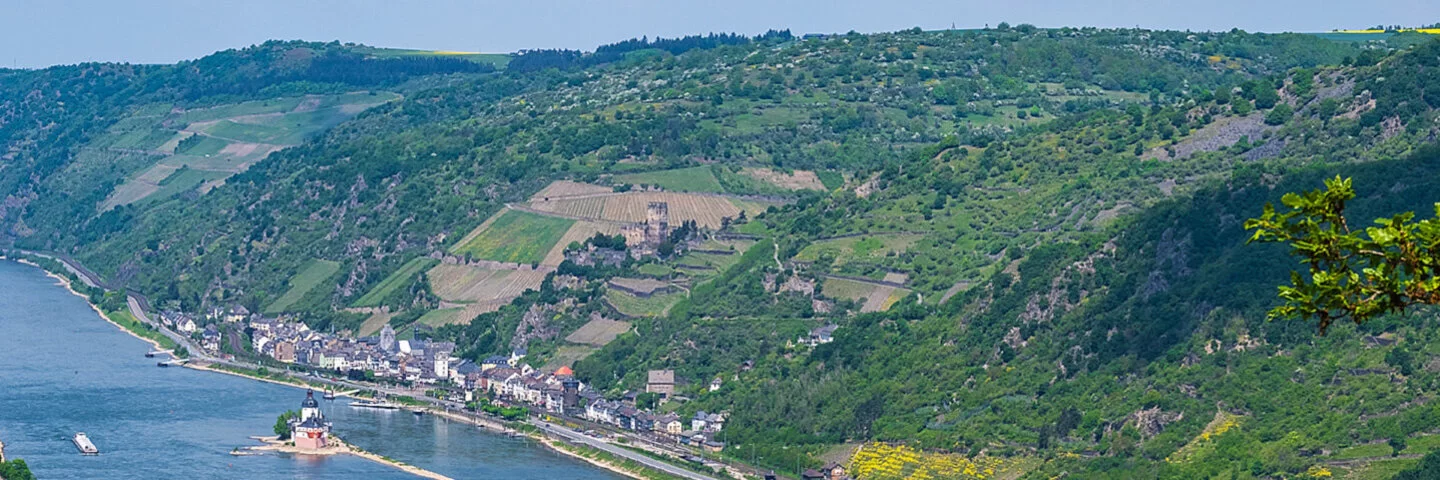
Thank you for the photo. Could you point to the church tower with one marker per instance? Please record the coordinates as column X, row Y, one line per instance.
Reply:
column 387, row 339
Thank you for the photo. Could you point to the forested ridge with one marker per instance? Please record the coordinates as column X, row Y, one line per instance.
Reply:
column 1078, row 296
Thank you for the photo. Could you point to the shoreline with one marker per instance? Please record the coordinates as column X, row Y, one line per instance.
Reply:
column 341, row 447
column 556, row 445
column 65, row 282
column 549, row 443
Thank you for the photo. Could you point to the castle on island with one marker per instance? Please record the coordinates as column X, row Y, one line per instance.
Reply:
column 310, row 430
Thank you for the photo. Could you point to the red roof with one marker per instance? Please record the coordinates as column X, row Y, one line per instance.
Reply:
column 564, row 371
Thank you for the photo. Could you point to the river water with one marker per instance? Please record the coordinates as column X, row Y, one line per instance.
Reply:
column 63, row 370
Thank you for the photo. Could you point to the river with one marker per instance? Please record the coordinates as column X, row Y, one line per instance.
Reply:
column 63, row 370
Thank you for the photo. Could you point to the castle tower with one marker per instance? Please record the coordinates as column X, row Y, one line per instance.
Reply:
column 310, row 408
column 310, row 430
column 657, row 222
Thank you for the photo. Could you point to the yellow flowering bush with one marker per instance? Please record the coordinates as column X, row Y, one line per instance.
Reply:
column 880, row 461
column 1222, row 423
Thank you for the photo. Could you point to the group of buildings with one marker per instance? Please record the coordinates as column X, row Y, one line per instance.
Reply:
column 506, row 378
column 560, row 393
column 288, row 341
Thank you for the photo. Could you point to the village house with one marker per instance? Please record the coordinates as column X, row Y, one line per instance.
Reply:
column 669, row 424
column 210, row 339
column 285, row 352
column 186, row 324
column 820, row 336
column 237, row 313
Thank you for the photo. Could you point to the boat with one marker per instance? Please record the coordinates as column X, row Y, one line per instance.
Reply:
column 374, row 404
column 83, row 443
column 419, row 413
column 329, row 395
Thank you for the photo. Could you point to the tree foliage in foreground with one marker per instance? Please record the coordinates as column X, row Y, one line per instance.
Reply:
column 1354, row 274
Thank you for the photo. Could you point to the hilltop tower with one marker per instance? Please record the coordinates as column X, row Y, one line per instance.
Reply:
column 657, row 223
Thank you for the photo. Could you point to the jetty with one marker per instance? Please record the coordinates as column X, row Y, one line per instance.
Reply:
column 84, row 444
column 156, row 353
column 167, row 363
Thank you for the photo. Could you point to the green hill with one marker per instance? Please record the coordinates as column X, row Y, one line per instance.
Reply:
column 1060, row 209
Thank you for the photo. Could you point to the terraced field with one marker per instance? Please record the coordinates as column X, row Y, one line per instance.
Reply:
column 598, row 332
column 853, row 248
column 566, row 356
column 444, row 316
column 578, row 232
column 515, row 236
column 307, row 279
column 795, row 180
column 395, row 280
column 231, row 138
column 693, row 179
column 630, row 305
column 466, row 284
column 706, row 210
column 877, row 298
column 566, row 188
column 374, row 323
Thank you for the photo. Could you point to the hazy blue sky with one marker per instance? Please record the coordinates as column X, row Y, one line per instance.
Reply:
column 36, row 33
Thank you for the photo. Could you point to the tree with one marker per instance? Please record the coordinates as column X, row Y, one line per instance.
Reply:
column 1397, row 445
column 1351, row 274
column 1280, row 114
column 1429, row 467
column 282, row 424
column 16, row 470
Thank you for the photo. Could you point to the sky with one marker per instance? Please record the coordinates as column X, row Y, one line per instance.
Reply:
column 39, row 33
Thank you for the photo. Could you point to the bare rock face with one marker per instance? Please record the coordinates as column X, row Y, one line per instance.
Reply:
column 800, row 284
column 535, row 325
column 1151, row 421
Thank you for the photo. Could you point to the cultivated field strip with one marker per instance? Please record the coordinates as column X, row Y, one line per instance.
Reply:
column 797, row 180
column 466, row 284
column 578, row 232
column 598, row 332
column 706, row 210
column 877, row 297
column 478, row 230
column 566, row 188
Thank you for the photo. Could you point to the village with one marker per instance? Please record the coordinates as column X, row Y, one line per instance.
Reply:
column 434, row 369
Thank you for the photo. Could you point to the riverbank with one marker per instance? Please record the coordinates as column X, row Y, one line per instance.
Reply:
column 550, row 443
column 65, row 282
column 340, row 447
column 596, row 460
column 289, row 382
column 638, row 472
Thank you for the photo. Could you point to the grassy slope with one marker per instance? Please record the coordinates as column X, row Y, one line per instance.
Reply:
column 396, row 280
column 308, row 278
column 694, row 179
column 518, row 237
column 653, row 306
